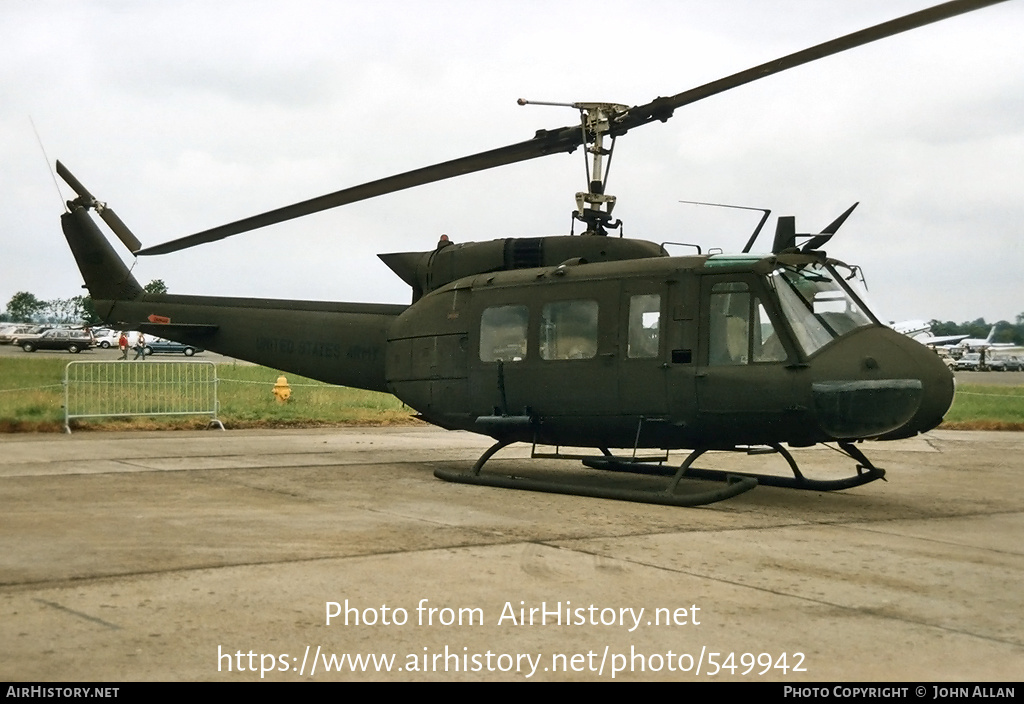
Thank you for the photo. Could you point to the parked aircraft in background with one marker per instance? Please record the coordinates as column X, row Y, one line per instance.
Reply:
column 976, row 343
column 921, row 331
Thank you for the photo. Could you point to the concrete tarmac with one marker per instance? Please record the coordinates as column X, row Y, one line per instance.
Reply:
column 220, row 555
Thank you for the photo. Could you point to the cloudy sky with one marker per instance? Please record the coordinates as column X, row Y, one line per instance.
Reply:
column 186, row 115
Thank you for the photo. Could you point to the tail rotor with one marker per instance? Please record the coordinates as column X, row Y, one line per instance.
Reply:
column 87, row 200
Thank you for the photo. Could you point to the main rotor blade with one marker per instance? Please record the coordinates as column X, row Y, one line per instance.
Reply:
column 566, row 139
column 662, row 108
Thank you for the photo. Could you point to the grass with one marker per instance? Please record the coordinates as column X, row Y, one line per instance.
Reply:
column 981, row 407
column 32, row 398
column 31, row 395
column 246, row 399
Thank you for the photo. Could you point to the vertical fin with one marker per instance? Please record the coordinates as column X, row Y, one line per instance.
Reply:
column 106, row 276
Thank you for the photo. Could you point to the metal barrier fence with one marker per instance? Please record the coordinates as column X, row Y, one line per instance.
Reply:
column 118, row 388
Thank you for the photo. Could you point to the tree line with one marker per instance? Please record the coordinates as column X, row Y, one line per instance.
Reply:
column 25, row 307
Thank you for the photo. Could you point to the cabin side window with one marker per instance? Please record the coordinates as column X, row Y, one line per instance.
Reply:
column 644, row 326
column 503, row 333
column 568, row 330
column 740, row 331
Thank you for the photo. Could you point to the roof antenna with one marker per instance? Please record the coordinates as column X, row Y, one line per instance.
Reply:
column 56, row 185
column 757, row 230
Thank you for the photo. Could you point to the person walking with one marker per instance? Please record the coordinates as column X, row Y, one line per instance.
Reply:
column 140, row 346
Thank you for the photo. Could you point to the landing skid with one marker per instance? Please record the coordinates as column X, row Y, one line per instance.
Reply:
column 866, row 472
column 669, row 496
column 735, row 482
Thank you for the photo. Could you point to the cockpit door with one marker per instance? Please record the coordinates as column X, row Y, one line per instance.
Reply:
column 748, row 386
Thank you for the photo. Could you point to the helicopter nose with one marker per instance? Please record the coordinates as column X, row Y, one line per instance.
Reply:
column 938, row 386
column 900, row 388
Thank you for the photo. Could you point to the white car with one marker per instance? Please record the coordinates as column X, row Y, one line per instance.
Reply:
column 106, row 338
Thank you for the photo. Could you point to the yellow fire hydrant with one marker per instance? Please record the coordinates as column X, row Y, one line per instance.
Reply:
column 282, row 391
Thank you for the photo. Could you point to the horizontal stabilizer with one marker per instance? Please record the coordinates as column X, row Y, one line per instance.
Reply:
column 172, row 329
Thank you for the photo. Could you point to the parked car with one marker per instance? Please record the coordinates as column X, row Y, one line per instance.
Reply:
column 34, row 334
column 969, row 362
column 106, row 338
column 1006, row 364
column 73, row 341
column 158, row 344
column 27, row 331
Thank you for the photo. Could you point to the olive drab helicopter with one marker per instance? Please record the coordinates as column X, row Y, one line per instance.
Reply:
column 584, row 340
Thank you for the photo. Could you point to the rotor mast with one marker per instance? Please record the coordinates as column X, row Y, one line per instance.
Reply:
column 594, row 206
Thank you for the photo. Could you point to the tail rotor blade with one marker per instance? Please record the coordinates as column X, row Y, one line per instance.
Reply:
column 76, row 185
column 120, row 229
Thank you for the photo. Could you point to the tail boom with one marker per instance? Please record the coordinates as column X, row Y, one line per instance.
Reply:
column 340, row 343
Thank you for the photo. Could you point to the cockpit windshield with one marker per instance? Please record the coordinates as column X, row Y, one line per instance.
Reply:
column 818, row 304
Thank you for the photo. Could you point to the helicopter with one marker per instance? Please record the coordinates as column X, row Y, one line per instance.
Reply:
column 583, row 340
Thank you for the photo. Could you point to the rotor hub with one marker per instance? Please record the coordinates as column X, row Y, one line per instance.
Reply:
column 594, row 206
